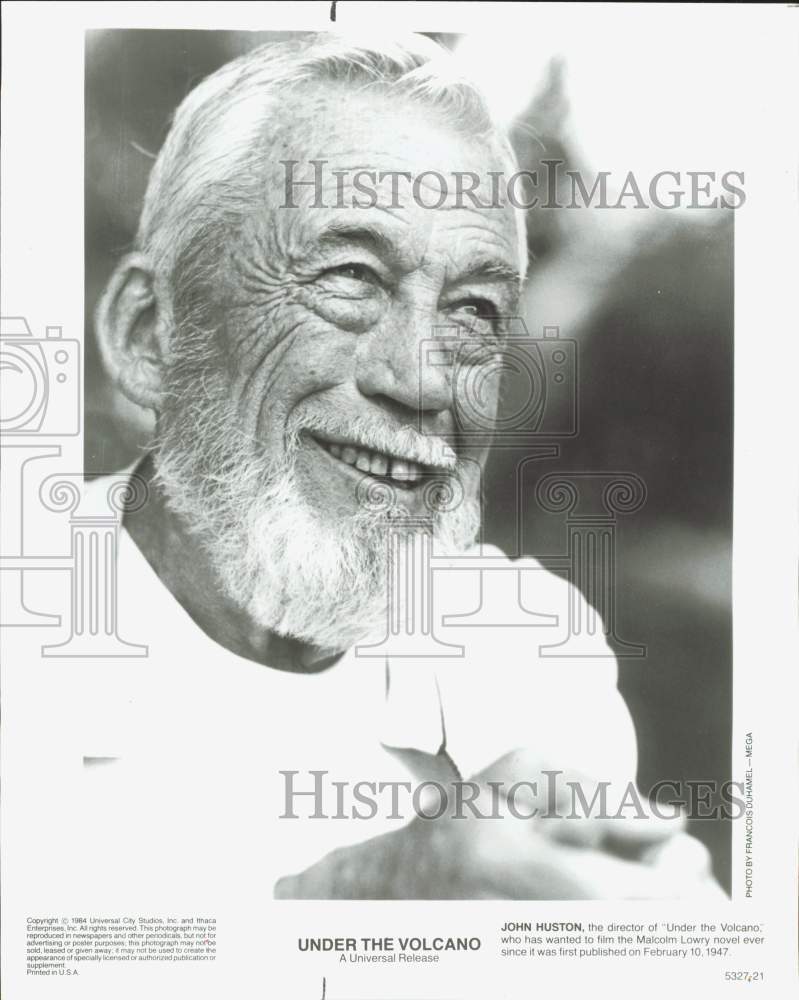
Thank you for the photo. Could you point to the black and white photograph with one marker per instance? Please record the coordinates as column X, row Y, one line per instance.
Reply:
column 398, row 553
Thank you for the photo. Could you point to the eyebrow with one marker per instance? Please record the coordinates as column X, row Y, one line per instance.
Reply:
column 364, row 235
column 490, row 269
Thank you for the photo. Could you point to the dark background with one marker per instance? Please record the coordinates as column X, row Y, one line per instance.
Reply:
column 651, row 308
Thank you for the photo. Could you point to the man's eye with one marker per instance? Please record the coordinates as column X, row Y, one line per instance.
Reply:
column 475, row 313
column 356, row 272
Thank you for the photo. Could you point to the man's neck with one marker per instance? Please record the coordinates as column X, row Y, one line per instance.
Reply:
column 185, row 568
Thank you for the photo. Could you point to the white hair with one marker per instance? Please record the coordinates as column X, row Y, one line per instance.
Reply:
column 218, row 129
column 275, row 556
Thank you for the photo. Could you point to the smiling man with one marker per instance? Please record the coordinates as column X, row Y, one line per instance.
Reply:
column 307, row 226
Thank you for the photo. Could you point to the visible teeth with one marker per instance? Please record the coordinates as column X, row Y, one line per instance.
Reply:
column 376, row 463
column 399, row 469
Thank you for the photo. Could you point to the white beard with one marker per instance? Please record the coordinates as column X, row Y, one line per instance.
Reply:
column 276, row 557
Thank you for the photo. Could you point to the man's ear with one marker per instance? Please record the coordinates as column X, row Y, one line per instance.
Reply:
column 133, row 331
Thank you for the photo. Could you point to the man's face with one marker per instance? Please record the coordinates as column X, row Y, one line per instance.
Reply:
column 329, row 305
column 320, row 311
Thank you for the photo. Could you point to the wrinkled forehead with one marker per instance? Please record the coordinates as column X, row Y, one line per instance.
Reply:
column 347, row 151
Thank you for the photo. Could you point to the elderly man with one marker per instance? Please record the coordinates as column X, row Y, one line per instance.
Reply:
column 295, row 248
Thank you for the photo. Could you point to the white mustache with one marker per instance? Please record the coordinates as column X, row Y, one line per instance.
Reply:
column 373, row 434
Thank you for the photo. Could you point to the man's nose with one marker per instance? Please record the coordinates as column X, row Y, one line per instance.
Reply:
column 399, row 365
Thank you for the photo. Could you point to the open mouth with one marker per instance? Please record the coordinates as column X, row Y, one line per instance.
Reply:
column 379, row 465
